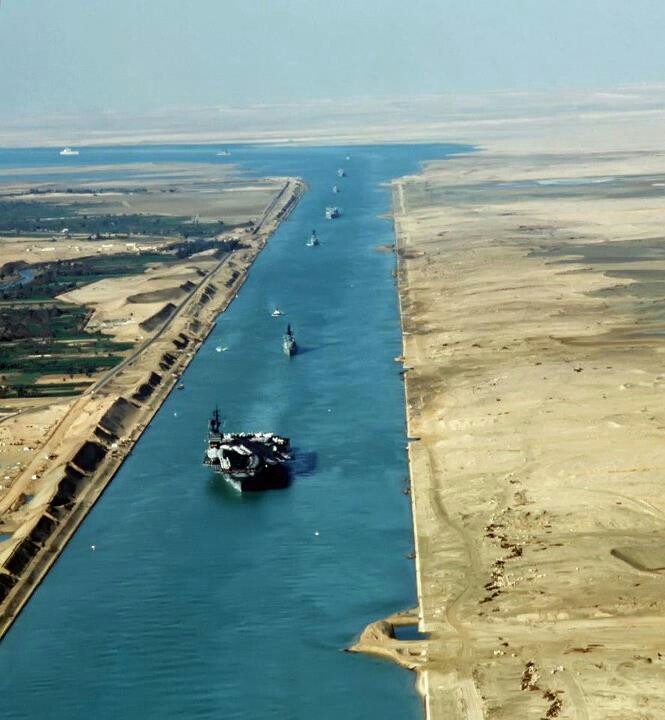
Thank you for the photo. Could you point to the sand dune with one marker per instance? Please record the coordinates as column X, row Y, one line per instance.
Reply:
column 533, row 318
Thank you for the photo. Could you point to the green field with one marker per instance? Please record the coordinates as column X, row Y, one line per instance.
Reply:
column 46, row 217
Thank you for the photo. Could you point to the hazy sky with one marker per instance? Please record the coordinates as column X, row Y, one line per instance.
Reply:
column 133, row 55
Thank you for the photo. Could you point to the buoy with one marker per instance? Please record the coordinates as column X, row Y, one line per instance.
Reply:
column 317, row 533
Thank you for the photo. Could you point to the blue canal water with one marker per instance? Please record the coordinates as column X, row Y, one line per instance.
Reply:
column 198, row 602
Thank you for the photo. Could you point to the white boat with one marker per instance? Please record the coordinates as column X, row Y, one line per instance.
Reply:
column 277, row 312
column 223, row 153
column 69, row 151
column 335, row 189
column 332, row 213
column 341, row 173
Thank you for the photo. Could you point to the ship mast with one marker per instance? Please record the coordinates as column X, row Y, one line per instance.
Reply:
column 215, row 422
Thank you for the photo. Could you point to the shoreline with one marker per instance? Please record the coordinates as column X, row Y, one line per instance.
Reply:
column 531, row 317
column 422, row 676
column 89, row 471
column 378, row 638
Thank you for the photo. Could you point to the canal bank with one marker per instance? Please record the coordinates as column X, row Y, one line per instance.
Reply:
column 115, row 422
column 197, row 602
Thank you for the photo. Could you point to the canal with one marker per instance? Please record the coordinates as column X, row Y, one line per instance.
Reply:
column 198, row 602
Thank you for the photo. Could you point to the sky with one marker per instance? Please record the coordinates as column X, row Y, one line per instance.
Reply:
column 135, row 56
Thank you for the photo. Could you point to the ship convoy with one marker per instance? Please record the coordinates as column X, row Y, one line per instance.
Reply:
column 257, row 461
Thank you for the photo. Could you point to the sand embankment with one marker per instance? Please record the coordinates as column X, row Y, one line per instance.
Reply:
column 532, row 291
column 84, row 450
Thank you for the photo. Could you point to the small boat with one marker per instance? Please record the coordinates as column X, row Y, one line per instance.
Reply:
column 348, row 157
column 223, row 153
column 69, row 151
column 219, row 348
column 277, row 312
column 180, row 386
column 289, row 342
column 335, row 189
column 332, row 213
column 313, row 240
column 341, row 173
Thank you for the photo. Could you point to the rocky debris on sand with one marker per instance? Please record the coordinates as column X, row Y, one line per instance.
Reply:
column 530, row 676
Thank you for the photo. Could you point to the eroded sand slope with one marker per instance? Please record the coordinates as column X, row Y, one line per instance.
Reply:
column 534, row 331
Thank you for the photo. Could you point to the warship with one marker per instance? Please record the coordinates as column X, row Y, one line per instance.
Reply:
column 247, row 461
column 332, row 213
column 289, row 342
column 313, row 240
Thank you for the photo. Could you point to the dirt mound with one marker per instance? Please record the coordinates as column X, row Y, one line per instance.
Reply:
column 154, row 296
column 43, row 530
column 22, row 555
column 66, row 491
column 117, row 420
column 145, row 390
column 63, row 497
column 166, row 361
column 7, row 582
column 158, row 319
column 102, row 435
column 181, row 342
column 88, row 457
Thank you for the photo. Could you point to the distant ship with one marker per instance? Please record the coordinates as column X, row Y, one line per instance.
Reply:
column 332, row 213
column 289, row 342
column 69, row 151
column 277, row 312
column 341, row 173
column 247, row 461
column 335, row 189
column 313, row 239
column 223, row 153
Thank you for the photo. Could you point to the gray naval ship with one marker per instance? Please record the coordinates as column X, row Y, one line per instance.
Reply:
column 247, row 461
column 289, row 342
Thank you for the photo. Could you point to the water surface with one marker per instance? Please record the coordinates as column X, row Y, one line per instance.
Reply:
column 198, row 602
